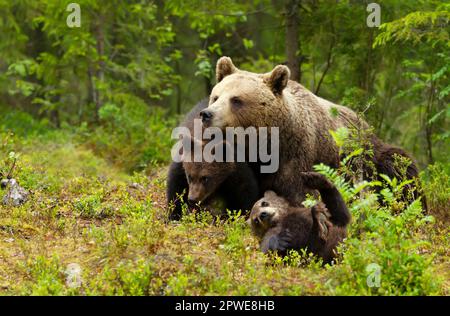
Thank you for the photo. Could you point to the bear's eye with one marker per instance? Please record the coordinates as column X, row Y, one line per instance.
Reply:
column 235, row 101
column 264, row 204
column 204, row 180
column 214, row 99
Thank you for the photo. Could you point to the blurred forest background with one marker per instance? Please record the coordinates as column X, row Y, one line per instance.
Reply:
column 86, row 115
column 133, row 66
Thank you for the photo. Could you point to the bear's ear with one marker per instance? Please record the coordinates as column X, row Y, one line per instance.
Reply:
column 269, row 194
column 224, row 67
column 278, row 79
column 224, row 150
column 188, row 147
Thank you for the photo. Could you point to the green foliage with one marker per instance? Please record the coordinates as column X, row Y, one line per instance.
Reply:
column 427, row 67
column 437, row 189
column 48, row 276
column 234, row 230
column 387, row 236
column 427, row 26
column 133, row 136
column 132, row 278
column 87, row 67
column 142, row 53
column 91, row 207
column 22, row 123
column 391, row 242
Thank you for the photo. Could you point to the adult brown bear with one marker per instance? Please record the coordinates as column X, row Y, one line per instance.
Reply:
column 245, row 99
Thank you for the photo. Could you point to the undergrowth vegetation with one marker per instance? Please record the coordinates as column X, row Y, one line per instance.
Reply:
column 92, row 227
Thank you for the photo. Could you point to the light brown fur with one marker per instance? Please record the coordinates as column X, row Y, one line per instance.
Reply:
column 271, row 100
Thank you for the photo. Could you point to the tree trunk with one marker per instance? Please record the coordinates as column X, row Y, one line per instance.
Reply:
column 384, row 108
column 208, row 86
column 54, row 118
column 100, row 75
column 92, row 90
column 292, row 39
column 428, row 126
column 327, row 67
column 178, row 69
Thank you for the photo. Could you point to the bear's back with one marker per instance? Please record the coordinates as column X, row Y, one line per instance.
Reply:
column 305, row 98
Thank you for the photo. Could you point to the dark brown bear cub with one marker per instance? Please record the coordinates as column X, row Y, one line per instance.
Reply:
column 231, row 184
column 177, row 185
column 319, row 229
column 217, row 186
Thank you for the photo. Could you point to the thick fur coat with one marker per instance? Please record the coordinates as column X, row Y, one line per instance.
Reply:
column 281, row 227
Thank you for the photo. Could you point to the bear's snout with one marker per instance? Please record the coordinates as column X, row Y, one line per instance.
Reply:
column 196, row 194
column 192, row 201
column 206, row 116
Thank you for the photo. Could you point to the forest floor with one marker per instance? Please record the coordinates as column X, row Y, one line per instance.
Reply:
column 89, row 228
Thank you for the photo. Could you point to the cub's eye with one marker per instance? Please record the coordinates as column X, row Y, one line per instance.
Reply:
column 204, row 180
column 235, row 101
column 264, row 204
column 214, row 99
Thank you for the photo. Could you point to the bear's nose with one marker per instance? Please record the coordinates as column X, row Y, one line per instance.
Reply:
column 206, row 116
column 192, row 201
column 263, row 215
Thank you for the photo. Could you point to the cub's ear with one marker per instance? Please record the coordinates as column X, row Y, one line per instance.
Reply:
column 269, row 193
column 278, row 79
column 188, row 147
column 224, row 67
column 221, row 151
